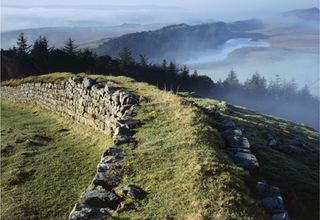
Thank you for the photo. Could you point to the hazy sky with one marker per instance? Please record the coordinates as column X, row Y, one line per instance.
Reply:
column 17, row 14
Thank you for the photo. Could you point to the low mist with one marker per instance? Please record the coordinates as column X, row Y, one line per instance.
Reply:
column 222, row 52
column 302, row 111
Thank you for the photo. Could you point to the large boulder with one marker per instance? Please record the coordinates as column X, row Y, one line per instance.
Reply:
column 128, row 123
column 73, row 80
column 124, row 206
column 87, row 82
column 98, row 88
column 273, row 205
column 225, row 124
column 127, row 98
column 264, row 190
column 271, row 141
column 231, row 132
column 116, row 97
column 134, row 192
column 108, row 162
column 106, row 180
column 232, row 151
column 121, row 139
column 237, row 141
column 114, row 151
column 87, row 212
column 99, row 197
column 110, row 89
column 245, row 160
column 122, row 135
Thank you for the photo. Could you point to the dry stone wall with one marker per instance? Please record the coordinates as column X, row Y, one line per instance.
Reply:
column 102, row 106
column 106, row 108
column 238, row 148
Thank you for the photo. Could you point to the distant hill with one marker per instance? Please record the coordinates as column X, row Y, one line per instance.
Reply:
column 178, row 42
column 307, row 14
column 83, row 36
column 246, row 25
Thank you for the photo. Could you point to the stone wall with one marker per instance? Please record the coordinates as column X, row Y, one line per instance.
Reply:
column 102, row 106
column 238, row 148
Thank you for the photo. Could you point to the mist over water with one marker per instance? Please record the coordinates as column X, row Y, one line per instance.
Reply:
column 300, row 66
column 222, row 52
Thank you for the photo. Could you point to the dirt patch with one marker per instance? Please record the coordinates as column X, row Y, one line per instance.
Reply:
column 7, row 150
column 63, row 130
column 20, row 176
column 38, row 140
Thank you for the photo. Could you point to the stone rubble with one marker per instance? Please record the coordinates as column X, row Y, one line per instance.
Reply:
column 85, row 212
column 238, row 148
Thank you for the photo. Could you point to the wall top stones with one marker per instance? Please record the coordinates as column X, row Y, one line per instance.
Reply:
column 103, row 106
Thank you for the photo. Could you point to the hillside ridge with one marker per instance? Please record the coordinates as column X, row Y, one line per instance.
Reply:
column 181, row 175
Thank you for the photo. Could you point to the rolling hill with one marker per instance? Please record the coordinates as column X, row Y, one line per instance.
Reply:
column 179, row 42
column 180, row 158
column 306, row 14
column 83, row 36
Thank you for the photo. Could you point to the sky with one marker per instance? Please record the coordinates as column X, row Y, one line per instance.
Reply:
column 18, row 14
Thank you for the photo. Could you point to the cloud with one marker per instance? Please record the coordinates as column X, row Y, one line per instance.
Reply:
column 18, row 14
column 20, row 18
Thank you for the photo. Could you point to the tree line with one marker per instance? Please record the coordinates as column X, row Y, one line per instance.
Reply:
column 40, row 58
column 277, row 96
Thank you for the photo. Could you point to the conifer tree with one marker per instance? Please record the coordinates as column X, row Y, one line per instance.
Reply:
column 23, row 47
column 125, row 56
column 232, row 79
column 69, row 47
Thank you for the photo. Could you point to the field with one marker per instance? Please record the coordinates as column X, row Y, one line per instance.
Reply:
column 46, row 161
column 178, row 160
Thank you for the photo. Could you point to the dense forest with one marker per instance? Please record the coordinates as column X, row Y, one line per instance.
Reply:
column 277, row 97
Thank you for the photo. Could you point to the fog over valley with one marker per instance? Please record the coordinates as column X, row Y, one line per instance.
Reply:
column 221, row 52
column 162, row 109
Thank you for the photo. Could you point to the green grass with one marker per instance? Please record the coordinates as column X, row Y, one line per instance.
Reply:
column 44, row 168
column 297, row 175
column 178, row 160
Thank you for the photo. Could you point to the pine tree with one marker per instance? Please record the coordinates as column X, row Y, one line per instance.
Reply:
column 172, row 68
column 41, row 46
column 185, row 72
column 41, row 54
column 23, row 47
column 164, row 65
column 195, row 73
column 305, row 92
column 125, row 56
column 69, row 47
column 231, row 79
column 256, row 83
column 143, row 61
column 275, row 85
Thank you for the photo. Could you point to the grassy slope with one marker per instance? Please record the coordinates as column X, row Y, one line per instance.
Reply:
column 178, row 161
column 42, row 179
column 296, row 174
